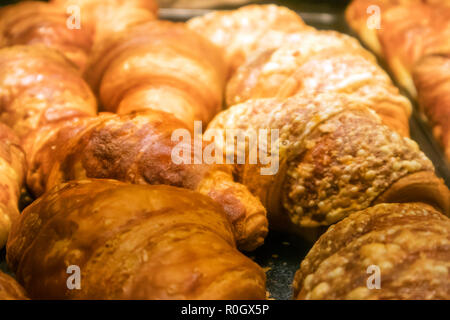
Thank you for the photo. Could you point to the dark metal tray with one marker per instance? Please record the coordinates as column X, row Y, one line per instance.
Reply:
column 282, row 253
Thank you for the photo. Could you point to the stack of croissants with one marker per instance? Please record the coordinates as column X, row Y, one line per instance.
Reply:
column 110, row 200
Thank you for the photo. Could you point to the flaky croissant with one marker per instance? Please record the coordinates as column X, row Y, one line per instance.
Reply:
column 321, row 61
column 12, row 174
column 335, row 158
column 129, row 242
column 38, row 85
column 405, row 245
column 33, row 22
column 432, row 79
column 413, row 38
column 159, row 65
column 10, row 289
column 103, row 18
column 240, row 33
column 139, row 148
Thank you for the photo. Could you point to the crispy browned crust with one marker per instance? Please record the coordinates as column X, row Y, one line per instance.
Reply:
column 432, row 80
column 33, row 22
column 335, row 158
column 137, row 148
column 410, row 243
column 159, row 65
column 38, row 85
column 130, row 242
column 321, row 61
column 248, row 29
column 12, row 172
column 10, row 289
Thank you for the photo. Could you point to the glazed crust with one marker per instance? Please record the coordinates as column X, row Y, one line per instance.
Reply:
column 12, row 173
column 138, row 148
column 103, row 18
column 321, row 61
column 130, row 242
column 413, row 39
column 408, row 242
column 159, row 65
column 329, row 165
column 10, row 289
column 432, row 80
column 241, row 32
column 33, row 22
column 38, row 85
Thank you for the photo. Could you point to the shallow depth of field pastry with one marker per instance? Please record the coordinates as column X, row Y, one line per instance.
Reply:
column 320, row 61
column 10, row 289
column 413, row 38
column 241, row 32
column 38, row 85
column 130, row 242
column 409, row 243
column 139, row 148
column 159, row 65
column 103, row 18
column 12, row 173
column 335, row 158
column 36, row 22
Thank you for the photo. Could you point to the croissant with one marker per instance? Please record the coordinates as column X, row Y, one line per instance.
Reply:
column 10, row 289
column 413, row 39
column 33, row 22
column 405, row 245
column 241, row 32
column 321, row 61
column 129, row 242
column 139, row 148
column 106, row 17
column 432, row 80
column 159, row 65
column 335, row 158
column 38, row 85
column 12, row 174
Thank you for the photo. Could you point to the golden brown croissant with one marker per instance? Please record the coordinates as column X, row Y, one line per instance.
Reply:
column 159, row 65
column 33, row 22
column 321, row 61
column 129, row 242
column 239, row 33
column 12, row 173
column 106, row 17
column 10, row 289
column 38, row 85
column 139, row 148
column 335, row 158
column 405, row 245
column 432, row 80
column 414, row 39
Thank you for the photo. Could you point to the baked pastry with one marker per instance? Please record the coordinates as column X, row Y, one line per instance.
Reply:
column 240, row 33
column 140, row 148
column 10, row 289
column 159, row 65
column 33, row 22
column 12, row 174
column 321, row 61
column 405, row 245
column 130, row 242
column 413, row 39
column 432, row 80
column 335, row 157
column 103, row 18
column 38, row 85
